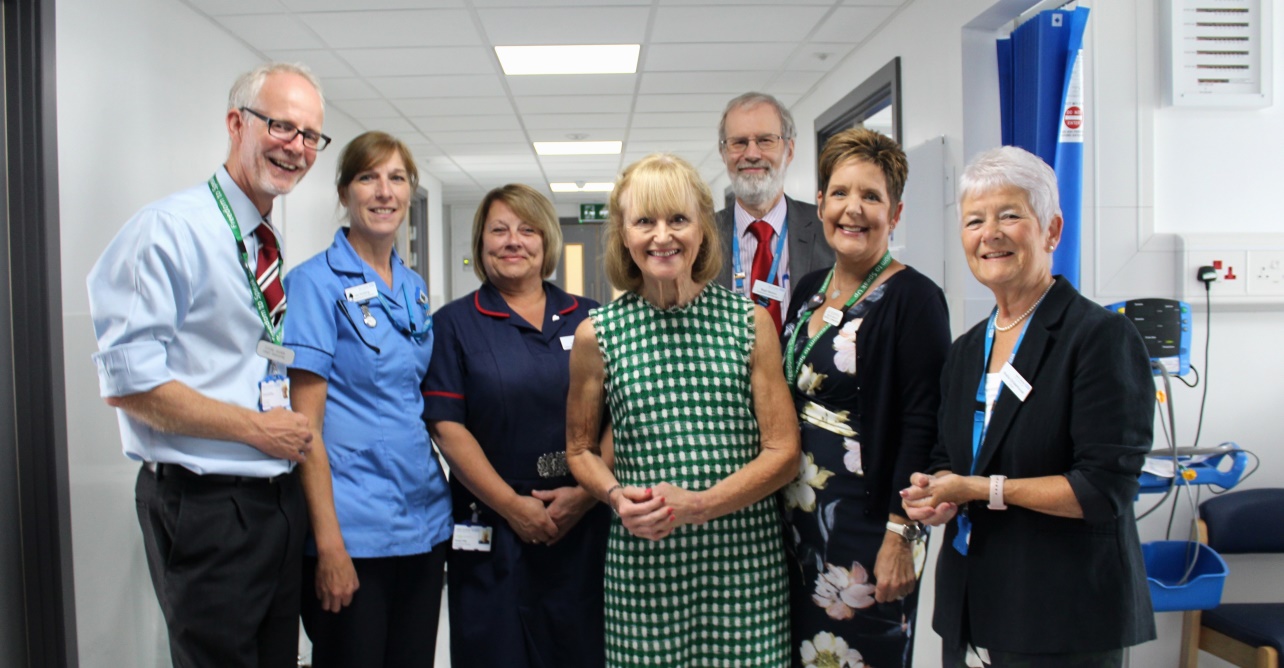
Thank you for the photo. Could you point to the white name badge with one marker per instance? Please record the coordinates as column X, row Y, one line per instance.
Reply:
column 567, row 341
column 471, row 538
column 361, row 293
column 832, row 316
column 274, row 353
column 1013, row 380
column 769, row 290
column 274, row 392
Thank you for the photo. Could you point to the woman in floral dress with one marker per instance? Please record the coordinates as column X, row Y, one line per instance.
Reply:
column 863, row 355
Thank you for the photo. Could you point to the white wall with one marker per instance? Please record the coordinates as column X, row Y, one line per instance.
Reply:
column 142, row 88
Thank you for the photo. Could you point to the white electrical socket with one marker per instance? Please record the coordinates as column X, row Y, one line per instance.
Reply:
column 1265, row 273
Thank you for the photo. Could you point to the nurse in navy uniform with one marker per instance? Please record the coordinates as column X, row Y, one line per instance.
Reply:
column 529, row 542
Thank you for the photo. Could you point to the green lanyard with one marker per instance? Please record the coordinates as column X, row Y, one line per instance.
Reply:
column 274, row 333
column 791, row 368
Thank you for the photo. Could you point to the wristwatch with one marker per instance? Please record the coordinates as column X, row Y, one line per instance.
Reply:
column 911, row 532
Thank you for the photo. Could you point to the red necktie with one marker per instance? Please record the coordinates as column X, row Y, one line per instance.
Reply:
column 269, row 272
column 762, row 259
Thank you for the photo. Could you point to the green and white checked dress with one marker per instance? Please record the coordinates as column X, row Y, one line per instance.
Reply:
column 678, row 391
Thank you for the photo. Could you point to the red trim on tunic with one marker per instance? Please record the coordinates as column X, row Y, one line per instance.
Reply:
column 448, row 395
column 493, row 314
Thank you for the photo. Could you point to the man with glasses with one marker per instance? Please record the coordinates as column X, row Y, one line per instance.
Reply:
column 767, row 236
column 187, row 306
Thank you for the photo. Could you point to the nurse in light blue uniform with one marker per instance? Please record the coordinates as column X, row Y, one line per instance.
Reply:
column 378, row 500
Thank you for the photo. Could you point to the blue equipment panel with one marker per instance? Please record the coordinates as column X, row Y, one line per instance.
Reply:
column 1165, row 327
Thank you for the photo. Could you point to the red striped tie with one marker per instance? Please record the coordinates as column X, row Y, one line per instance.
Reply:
column 762, row 259
column 269, row 272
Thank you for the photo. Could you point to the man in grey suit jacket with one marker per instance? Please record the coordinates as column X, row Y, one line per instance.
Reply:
column 756, row 140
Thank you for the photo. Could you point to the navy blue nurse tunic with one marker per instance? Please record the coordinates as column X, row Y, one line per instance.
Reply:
column 519, row 604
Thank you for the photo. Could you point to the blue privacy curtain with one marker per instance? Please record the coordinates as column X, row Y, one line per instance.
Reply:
column 1041, row 97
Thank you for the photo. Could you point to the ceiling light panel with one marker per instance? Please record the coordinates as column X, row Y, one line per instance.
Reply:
column 577, row 147
column 569, row 59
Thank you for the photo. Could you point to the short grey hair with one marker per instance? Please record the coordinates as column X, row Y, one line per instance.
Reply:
column 753, row 99
column 245, row 92
column 1012, row 166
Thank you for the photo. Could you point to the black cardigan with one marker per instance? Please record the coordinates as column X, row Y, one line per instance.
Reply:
column 1032, row 582
column 900, row 351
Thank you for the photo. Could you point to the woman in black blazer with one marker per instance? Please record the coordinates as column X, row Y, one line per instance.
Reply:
column 1046, row 416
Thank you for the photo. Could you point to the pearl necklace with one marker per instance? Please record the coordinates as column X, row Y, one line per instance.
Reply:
column 1027, row 313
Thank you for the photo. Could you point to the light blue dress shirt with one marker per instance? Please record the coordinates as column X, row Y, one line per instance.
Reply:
column 390, row 494
column 170, row 301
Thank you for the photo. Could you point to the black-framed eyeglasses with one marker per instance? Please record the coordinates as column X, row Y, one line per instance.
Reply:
column 286, row 132
column 741, row 144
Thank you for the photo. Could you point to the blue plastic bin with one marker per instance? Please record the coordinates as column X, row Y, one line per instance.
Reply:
column 1166, row 563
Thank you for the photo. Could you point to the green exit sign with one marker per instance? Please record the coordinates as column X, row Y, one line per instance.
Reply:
column 594, row 213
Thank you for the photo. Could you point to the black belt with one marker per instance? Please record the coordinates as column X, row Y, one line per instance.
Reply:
column 162, row 471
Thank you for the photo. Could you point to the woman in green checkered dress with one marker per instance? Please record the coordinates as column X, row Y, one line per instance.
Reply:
column 702, row 432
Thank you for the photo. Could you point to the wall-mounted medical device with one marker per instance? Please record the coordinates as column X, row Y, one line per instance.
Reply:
column 1165, row 327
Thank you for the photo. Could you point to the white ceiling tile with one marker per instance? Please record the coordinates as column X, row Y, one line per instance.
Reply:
column 348, row 88
column 678, row 119
column 455, row 106
column 364, row 109
column 420, row 61
column 874, row 3
column 589, row 135
column 462, row 85
column 572, row 84
column 780, row 23
column 466, row 123
column 731, row 83
column 522, row 4
column 515, row 161
column 271, row 31
column 852, row 25
column 809, row 57
column 730, row 57
column 666, row 146
column 708, row 135
column 348, row 5
column 481, row 149
column 223, row 7
column 792, row 3
column 398, row 127
column 482, row 137
column 565, row 25
column 384, row 29
column 564, row 104
column 795, row 83
column 591, row 123
column 690, row 102
column 323, row 62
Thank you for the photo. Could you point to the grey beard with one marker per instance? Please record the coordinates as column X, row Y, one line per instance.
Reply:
column 757, row 192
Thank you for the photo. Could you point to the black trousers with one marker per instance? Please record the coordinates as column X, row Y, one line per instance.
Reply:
column 224, row 556
column 392, row 620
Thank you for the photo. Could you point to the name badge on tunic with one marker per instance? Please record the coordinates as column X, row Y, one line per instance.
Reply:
column 832, row 316
column 361, row 293
column 567, row 341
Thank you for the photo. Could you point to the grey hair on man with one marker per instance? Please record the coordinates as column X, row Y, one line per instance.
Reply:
column 245, row 91
column 752, row 99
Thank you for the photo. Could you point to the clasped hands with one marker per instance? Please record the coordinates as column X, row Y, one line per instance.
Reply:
column 655, row 512
column 934, row 500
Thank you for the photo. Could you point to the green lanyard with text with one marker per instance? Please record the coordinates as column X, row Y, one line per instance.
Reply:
column 791, row 368
column 274, row 333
